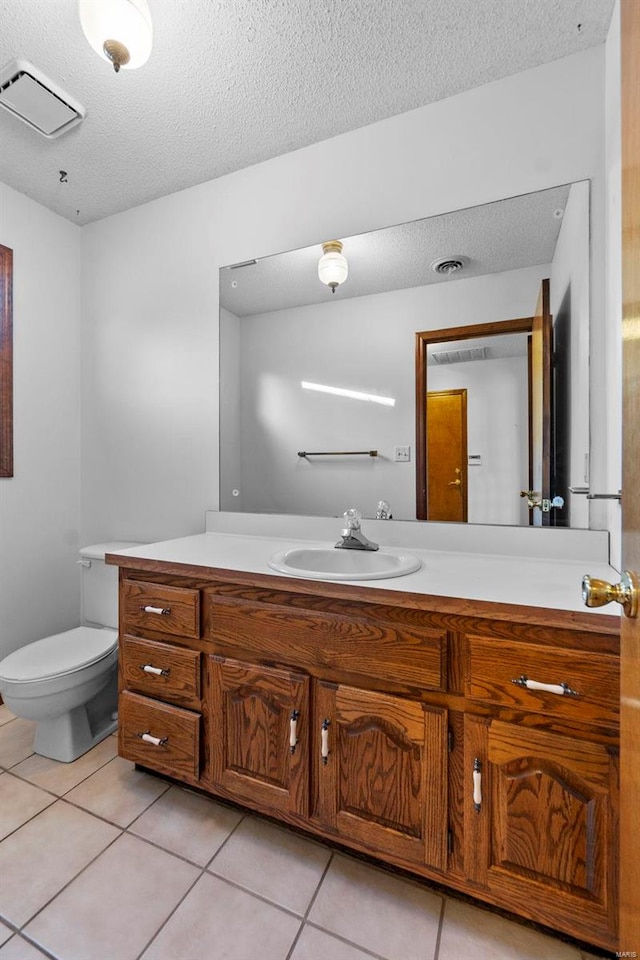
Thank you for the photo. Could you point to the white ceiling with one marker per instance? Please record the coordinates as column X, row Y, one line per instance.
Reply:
column 494, row 237
column 233, row 82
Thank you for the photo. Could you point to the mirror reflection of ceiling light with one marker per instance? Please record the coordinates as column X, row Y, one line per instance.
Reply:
column 351, row 394
column 333, row 268
column 120, row 31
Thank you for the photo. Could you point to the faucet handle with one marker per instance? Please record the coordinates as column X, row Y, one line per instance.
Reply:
column 352, row 518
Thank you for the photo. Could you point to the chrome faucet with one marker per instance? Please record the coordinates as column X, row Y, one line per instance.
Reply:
column 352, row 537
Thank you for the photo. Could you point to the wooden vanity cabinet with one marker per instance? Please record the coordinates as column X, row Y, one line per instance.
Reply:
column 401, row 726
column 540, row 823
column 380, row 765
column 254, row 755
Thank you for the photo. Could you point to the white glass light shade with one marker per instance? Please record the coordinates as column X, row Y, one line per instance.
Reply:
column 333, row 268
column 127, row 22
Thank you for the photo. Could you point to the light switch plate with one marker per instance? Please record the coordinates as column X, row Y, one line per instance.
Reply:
column 402, row 454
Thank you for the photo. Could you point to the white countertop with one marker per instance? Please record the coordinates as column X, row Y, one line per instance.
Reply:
column 528, row 581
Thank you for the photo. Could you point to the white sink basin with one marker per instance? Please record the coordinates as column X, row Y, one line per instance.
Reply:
column 329, row 563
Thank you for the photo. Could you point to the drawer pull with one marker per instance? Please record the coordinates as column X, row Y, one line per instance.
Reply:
column 161, row 611
column 293, row 731
column 560, row 689
column 477, row 785
column 156, row 671
column 156, row 741
column 324, row 740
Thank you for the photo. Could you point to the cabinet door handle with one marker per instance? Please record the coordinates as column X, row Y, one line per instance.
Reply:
column 560, row 689
column 161, row 611
column 324, row 740
column 293, row 731
column 156, row 671
column 477, row 785
column 156, row 741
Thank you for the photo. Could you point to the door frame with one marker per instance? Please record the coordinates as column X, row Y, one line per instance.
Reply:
column 424, row 339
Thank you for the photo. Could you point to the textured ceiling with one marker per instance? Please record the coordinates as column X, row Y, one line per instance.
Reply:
column 232, row 83
column 493, row 237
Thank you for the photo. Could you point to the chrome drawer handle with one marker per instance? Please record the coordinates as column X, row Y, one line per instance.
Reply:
column 477, row 785
column 324, row 740
column 560, row 689
column 161, row 611
column 156, row 741
column 156, row 671
column 293, row 731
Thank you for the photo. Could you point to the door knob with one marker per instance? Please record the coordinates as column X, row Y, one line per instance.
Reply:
column 455, row 483
column 597, row 593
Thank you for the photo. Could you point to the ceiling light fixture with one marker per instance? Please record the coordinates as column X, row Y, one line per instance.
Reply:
column 120, row 31
column 333, row 268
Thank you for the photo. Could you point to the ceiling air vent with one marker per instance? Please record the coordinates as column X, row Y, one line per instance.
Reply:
column 459, row 356
column 36, row 100
column 449, row 265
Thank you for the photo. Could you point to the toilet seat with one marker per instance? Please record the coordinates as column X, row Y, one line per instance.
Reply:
column 58, row 655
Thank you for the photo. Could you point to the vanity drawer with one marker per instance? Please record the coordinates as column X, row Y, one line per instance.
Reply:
column 155, row 606
column 364, row 646
column 494, row 665
column 161, row 670
column 174, row 744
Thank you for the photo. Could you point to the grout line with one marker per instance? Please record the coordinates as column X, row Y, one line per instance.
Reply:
column 225, row 841
column 202, row 872
column 440, row 929
column 58, row 796
column 170, row 915
column 27, row 939
column 67, row 884
column 309, row 906
column 256, row 896
column 350, row 943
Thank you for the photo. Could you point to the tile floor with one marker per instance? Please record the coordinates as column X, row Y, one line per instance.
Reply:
column 99, row 861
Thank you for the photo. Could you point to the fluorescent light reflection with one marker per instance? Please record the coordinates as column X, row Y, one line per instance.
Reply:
column 352, row 394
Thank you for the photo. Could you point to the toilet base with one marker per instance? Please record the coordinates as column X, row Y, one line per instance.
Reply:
column 67, row 737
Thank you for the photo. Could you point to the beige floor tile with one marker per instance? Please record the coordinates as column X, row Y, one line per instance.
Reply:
column 16, row 741
column 385, row 914
column 116, row 905
column 19, row 949
column 19, row 801
column 118, row 792
column 314, row 944
column 273, row 862
column 5, row 933
column 187, row 824
column 470, row 931
column 41, row 860
column 61, row 777
column 216, row 921
column 5, row 714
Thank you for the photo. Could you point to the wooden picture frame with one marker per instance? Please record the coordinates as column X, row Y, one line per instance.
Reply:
column 6, row 362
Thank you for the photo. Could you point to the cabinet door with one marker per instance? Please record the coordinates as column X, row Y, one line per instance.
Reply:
column 380, row 772
column 539, row 825
column 252, row 755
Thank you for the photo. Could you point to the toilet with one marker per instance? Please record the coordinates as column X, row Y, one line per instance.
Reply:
column 68, row 682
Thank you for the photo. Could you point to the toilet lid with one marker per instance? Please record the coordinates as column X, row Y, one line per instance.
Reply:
column 59, row 654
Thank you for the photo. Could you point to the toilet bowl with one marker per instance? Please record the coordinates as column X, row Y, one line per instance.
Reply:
column 68, row 682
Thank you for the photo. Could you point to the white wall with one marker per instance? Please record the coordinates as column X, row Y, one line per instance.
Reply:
column 40, row 505
column 365, row 344
column 150, row 305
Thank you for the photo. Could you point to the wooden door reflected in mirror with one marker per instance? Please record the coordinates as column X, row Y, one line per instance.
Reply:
column 460, row 472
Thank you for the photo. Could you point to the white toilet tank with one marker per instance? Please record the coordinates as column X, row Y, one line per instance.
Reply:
column 100, row 584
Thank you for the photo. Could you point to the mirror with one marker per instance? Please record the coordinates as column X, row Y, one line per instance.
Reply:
column 318, row 395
